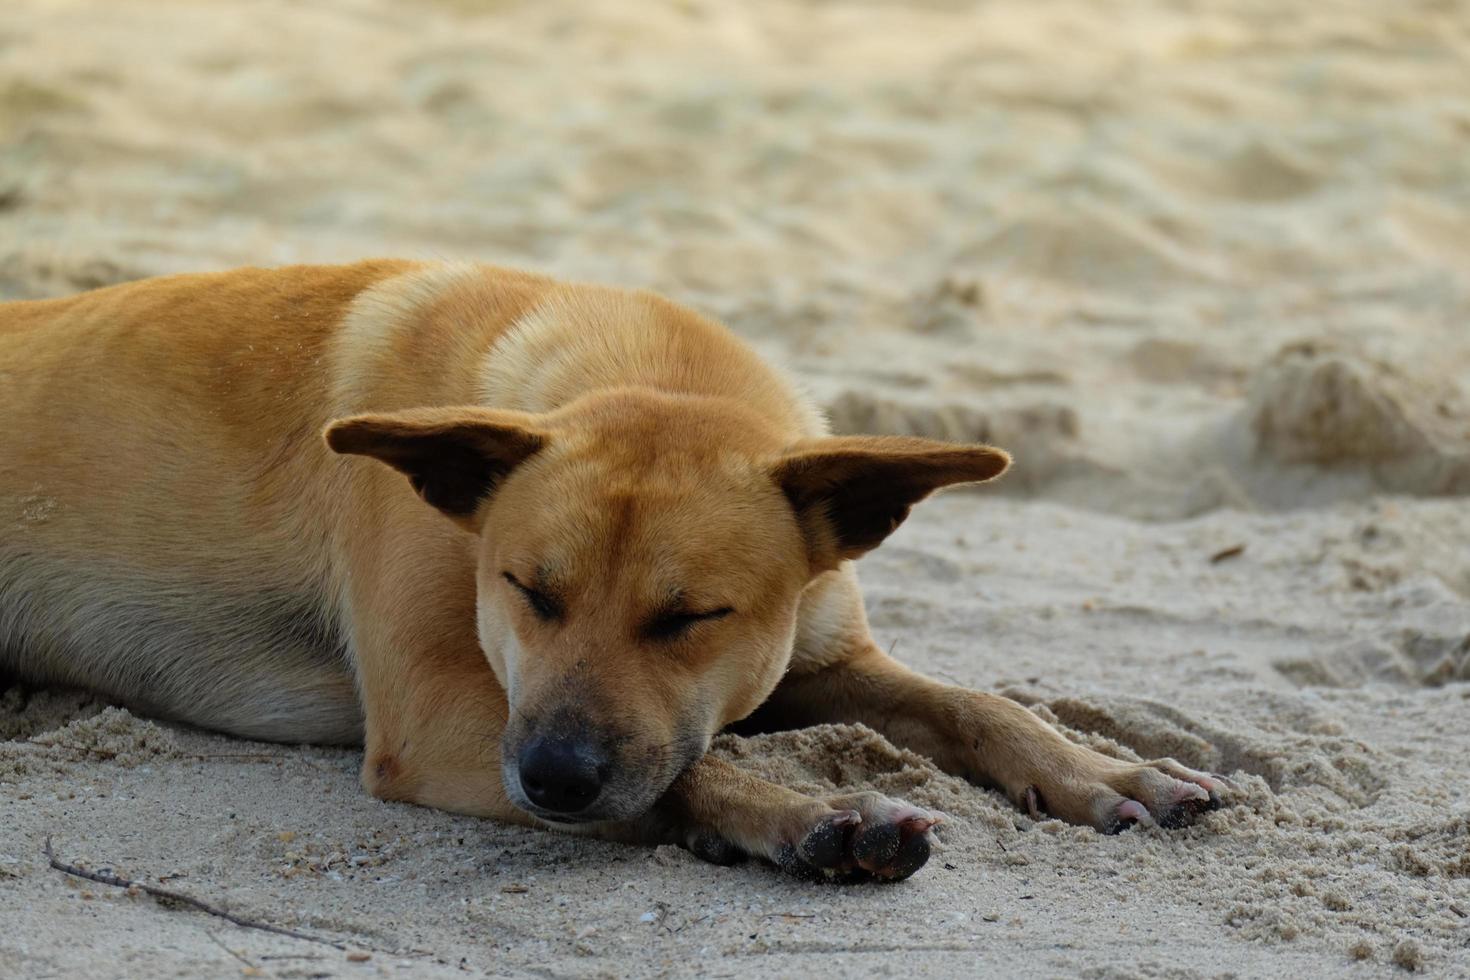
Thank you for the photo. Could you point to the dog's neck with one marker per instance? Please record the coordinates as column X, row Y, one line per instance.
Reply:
column 445, row 334
column 593, row 338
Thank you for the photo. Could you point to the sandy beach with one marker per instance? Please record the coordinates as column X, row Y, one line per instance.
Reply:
column 1203, row 268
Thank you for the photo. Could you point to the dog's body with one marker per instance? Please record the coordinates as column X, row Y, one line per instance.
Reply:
column 649, row 538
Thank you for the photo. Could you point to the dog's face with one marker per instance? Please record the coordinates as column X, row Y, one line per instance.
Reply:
column 632, row 601
column 641, row 561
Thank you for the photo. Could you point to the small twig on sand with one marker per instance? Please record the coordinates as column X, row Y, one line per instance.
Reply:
column 220, row 943
column 291, row 956
column 1225, row 554
column 117, row 881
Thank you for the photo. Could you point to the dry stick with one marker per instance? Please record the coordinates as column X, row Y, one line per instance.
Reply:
column 220, row 943
column 117, row 881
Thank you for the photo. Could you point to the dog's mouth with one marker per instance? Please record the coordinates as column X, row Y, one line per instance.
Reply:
column 561, row 820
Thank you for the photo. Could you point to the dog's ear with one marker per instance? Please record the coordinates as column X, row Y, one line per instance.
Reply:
column 454, row 457
column 851, row 492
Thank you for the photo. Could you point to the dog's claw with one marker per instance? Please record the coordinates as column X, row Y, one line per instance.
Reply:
column 1187, row 800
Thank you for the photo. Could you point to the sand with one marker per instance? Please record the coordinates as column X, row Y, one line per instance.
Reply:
column 1203, row 267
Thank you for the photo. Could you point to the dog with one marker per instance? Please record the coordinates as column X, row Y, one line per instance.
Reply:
column 530, row 544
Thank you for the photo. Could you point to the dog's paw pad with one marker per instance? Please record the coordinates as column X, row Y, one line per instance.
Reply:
column 826, row 844
column 893, row 851
column 865, row 837
column 894, row 839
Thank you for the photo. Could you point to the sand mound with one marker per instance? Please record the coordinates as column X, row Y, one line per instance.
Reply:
column 52, row 733
column 25, row 712
column 114, row 735
column 1315, row 405
column 1412, row 658
column 830, row 759
column 1318, row 405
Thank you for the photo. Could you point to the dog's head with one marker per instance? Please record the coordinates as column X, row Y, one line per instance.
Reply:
column 641, row 560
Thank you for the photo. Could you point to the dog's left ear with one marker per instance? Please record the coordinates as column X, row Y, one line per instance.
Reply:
column 454, row 457
column 851, row 492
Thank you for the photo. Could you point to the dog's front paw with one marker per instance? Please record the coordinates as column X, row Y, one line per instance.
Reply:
column 1111, row 795
column 859, row 837
column 866, row 836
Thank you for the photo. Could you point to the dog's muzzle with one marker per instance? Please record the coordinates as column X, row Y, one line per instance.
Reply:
column 561, row 777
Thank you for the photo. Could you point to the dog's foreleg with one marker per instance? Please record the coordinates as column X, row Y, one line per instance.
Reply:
column 840, row 675
column 433, row 711
column 723, row 814
column 432, row 734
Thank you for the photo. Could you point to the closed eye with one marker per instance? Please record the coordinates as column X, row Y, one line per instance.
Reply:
column 671, row 626
column 547, row 608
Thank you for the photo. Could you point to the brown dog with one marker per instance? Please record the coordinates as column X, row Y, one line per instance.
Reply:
column 649, row 537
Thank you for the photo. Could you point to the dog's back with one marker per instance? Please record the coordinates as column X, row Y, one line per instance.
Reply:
column 158, row 442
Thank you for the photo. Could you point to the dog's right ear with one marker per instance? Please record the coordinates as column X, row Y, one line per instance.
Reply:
column 453, row 457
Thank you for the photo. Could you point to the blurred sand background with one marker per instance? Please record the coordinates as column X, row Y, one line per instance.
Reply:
column 1205, row 268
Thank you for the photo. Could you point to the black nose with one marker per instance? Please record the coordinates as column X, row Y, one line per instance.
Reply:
column 561, row 775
